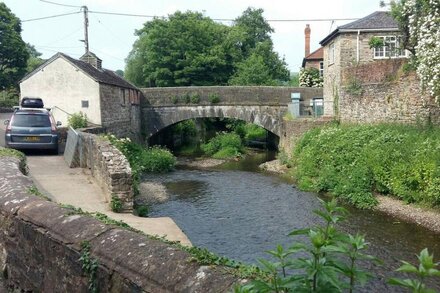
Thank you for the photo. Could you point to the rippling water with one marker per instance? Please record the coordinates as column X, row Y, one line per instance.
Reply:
column 241, row 214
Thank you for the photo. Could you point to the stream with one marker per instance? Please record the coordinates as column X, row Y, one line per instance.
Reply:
column 239, row 212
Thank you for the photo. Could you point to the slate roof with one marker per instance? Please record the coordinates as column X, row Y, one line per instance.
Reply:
column 100, row 75
column 379, row 20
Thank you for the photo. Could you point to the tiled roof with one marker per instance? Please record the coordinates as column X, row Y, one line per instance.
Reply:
column 315, row 55
column 379, row 20
column 100, row 75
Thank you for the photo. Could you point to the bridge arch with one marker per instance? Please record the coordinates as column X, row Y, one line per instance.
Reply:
column 159, row 118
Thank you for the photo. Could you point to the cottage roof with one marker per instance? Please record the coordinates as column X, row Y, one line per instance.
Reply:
column 316, row 55
column 100, row 75
column 377, row 21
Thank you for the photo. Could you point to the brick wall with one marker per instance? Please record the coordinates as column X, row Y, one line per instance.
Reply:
column 40, row 249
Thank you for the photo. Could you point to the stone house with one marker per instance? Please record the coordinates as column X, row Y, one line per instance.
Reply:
column 68, row 86
column 348, row 47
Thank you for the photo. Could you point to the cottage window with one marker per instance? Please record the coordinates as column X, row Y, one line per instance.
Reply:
column 391, row 48
column 321, row 68
column 331, row 53
column 122, row 96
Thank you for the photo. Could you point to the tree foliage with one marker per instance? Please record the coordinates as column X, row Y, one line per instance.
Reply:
column 191, row 49
column 419, row 20
column 34, row 58
column 309, row 77
column 13, row 53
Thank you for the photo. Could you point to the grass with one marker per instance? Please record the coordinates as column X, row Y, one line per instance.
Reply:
column 355, row 161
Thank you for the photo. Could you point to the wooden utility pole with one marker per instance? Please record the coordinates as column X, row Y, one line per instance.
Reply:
column 86, row 27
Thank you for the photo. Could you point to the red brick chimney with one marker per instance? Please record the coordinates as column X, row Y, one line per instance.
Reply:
column 307, row 40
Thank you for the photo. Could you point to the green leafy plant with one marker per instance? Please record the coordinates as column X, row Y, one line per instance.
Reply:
column 214, row 98
column 174, row 99
column 354, row 87
column 426, row 269
column 195, row 98
column 34, row 190
column 310, row 77
column 186, row 98
column 116, row 204
column 4, row 152
column 89, row 265
column 375, row 42
column 77, row 120
column 142, row 210
column 327, row 263
column 224, row 145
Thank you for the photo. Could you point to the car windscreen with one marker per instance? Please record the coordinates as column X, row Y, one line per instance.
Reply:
column 31, row 120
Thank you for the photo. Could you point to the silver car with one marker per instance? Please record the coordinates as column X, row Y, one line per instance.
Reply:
column 32, row 129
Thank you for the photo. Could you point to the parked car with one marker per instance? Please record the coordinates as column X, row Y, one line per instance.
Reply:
column 32, row 129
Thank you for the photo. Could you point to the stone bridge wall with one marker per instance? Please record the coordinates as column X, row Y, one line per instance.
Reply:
column 228, row 95
column 107, row 164
column 40, row 249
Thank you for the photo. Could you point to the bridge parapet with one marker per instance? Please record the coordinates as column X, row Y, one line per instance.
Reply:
column 227, row 95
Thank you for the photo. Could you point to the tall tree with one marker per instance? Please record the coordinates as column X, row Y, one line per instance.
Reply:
column 13, row 53
column 34, row 58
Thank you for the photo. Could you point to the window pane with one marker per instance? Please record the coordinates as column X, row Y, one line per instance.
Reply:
column 31, row 120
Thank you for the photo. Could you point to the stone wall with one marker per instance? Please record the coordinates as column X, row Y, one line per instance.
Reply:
column 385, row 94
column 294, row 129
column 119, row 111
column 228, row 95
column 40, row 249
column 108, row 165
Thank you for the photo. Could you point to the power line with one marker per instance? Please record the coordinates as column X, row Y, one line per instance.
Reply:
column 51, row 16
column 224, row 19
column 60, row 4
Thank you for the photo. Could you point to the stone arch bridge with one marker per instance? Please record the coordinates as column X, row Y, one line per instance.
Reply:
column 264, row 106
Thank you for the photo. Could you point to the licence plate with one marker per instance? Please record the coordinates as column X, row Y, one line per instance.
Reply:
column 32, row 138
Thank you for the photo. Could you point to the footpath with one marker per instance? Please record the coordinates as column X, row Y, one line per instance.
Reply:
column 75, row 187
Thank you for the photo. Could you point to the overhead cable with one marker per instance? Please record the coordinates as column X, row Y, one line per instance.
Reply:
column 51, row 16
column 60, row 4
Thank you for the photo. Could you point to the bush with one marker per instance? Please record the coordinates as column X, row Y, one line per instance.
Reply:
column 77, row 120
column 116, row 204
column 353, row 162
column 214, row 98
column 195, row 98
column 254, row 132
column 9, row 98
column 309, row 77
column 141, row 211
column 224, row 145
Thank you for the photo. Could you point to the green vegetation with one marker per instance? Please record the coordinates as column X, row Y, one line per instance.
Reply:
column 9, row 98
column 89, row 266
column 77, row 120
column 116, row 204
column 224, row 145
column 355, row 161
column 375, row 42
column 34, row 190
column 141, row 159
column 426, row 269
column 309, row 77
column 141, row 211
column 327, row 263
column 214, row 98
column 190, row 49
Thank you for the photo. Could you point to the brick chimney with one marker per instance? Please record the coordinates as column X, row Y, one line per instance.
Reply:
column 92, row 59
column 307, row 40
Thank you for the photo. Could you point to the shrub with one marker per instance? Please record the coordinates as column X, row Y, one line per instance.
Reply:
column 9, row 98
column 77, row 120
column 224, row 145
column 142, row 211
column 195, row 98
column 186, row 98
column 116, row 204
column 214, row 98
column 174, row 99
column 353, row 162
column 310, row 77
column 254, row 132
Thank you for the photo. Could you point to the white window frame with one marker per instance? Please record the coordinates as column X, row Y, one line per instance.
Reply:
column 385, row 52
column 331, row 53
column 321, row 68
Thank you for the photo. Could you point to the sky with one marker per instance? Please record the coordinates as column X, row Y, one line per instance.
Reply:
column 111, row 37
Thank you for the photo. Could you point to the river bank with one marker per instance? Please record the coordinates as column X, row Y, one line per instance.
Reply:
column 425, row 217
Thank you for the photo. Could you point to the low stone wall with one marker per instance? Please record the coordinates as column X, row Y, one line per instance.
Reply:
column 228, row 95
column 40, row 249
column 108, row 165
column 294, row 129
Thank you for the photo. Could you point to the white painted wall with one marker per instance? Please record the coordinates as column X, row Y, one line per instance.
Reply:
column 62, row 85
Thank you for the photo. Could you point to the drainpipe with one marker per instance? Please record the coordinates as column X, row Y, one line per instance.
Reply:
column 357, row 47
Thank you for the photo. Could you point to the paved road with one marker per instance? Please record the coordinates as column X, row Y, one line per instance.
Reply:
column 75, row 186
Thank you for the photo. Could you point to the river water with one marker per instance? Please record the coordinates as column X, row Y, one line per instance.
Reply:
column 238, row 212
